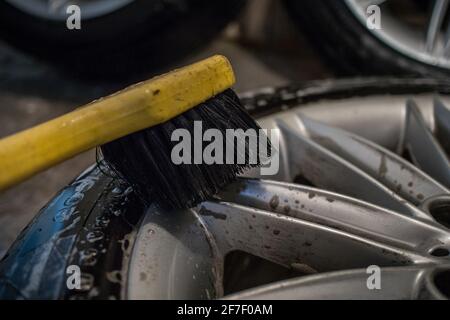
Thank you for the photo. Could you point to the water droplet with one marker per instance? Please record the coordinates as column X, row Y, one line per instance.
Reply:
column 94, row 236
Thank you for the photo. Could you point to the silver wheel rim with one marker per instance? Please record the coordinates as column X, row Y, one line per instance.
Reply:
column 57, row 9
column 331, row 237
column 429, row 44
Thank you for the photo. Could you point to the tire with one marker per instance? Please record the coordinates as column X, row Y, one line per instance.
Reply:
column 348, row 47
column 140, row 37
column 93, row 222
column 90, row 224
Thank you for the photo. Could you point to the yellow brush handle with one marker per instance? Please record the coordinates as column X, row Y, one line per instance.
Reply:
column 138, row 107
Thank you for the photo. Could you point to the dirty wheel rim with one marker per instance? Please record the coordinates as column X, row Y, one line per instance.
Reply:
column 383, row 213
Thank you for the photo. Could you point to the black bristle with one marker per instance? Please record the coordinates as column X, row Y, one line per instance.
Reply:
column 143, row 159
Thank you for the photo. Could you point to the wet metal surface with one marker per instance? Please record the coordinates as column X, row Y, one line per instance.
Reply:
column 323, row 233
column 352, row 285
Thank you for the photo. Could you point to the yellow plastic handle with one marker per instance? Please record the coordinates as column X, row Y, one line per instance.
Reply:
column 138, row 107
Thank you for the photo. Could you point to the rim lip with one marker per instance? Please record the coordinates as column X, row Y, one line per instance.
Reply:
column 425, row 276
column 399, row 37
column 89, row 9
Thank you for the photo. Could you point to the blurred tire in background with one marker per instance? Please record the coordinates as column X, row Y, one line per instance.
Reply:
column 117, row 37
column 413, row 38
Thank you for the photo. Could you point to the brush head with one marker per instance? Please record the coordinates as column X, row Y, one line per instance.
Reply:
column 144, row 159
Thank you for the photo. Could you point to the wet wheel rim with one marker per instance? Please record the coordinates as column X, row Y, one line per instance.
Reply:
column 57, row 9
column 344, row 200
column 424, row 38
column 368, row 206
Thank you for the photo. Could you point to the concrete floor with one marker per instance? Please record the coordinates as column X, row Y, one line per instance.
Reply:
column 32, row 92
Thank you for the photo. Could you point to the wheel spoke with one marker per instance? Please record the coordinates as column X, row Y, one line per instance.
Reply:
column 434, row 26
column 447, row 41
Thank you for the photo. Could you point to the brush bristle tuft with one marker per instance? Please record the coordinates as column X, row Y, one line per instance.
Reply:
column 143, row 159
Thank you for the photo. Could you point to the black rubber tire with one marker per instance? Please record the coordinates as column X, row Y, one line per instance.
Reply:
column 348, row 47
column 141, row 37
column 90, row 224
column 93, row 222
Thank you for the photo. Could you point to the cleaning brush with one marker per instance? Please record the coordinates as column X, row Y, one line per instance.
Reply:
column 134, row 129
column 143, row 159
